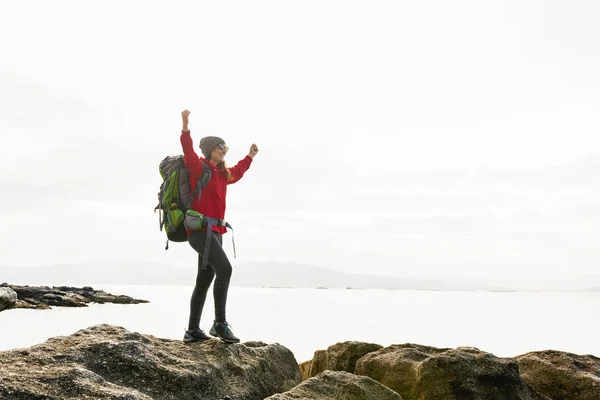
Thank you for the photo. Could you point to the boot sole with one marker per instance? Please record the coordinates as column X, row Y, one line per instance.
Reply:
column 222, row 338
column 190, row 340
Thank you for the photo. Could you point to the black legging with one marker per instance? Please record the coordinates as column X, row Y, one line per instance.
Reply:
column 218, row 264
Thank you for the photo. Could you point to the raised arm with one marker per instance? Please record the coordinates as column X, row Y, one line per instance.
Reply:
column 192, row 162
column 241, row 167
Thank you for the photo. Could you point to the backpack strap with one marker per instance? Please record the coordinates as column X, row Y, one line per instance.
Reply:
column 210, row 222
column 200, row 183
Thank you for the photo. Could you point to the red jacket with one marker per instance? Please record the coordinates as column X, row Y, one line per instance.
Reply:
column 212, row 199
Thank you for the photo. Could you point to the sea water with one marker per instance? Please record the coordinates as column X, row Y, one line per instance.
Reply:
column 304, row 320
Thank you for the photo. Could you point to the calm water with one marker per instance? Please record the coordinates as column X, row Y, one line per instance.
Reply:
column 305, row 320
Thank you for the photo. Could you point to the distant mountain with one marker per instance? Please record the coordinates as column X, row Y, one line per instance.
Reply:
column 274, row 274
column 267, row 274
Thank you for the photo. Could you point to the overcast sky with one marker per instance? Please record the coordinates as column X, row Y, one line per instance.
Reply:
column 427, row 138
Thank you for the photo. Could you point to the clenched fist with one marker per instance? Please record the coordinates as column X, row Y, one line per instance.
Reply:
column 184, row 116
column 253, row 150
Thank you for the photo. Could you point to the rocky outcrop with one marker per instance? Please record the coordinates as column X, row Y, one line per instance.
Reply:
column 305, row 369
column 427, row 373
column 336, row 385
column 109, row 362
column 8, row 298
column 43, row 297
column 338, row 357
column 318, row 364
column 560, row 375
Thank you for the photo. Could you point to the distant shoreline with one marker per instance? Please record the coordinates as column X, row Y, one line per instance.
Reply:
column 273, row 275
column 46, row 297
column 190, row 285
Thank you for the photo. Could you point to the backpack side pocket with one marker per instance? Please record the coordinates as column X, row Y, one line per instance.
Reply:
column 193, row 220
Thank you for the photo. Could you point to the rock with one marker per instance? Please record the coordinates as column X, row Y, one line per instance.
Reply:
column 427, row 373
column 318, row 363
column 8, row 298
column 305, row 369
column 560, row 375
column 42, row 297
column 338, row 357
column 109, row 362
column 338, row 385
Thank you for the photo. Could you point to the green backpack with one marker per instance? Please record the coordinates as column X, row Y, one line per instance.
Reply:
column 175, row 197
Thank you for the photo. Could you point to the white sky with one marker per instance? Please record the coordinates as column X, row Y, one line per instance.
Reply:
column 406, row 138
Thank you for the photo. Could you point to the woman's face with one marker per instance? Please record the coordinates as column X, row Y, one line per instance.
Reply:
column 218, row 153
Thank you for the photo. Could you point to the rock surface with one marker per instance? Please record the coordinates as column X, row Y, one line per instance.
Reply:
column 109, row 362
column 8, row 298
column 305, row 369
column 42, row 297
column 560, row 375
column 338, row 385
column 338, row 357
column 428, row 373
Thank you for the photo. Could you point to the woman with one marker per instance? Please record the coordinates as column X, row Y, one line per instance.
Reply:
column 212, row 205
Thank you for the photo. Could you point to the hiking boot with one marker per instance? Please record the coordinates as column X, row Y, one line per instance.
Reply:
column 195, row 335
column 222, row 330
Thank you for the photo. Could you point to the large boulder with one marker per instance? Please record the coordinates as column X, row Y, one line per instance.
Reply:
column 338, row 357
column 428, row 373
column 338, row 385
column 8, row 298
column 560, row 375
column 109, row 362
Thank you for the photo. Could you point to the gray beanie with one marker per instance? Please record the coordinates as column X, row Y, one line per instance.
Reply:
column 208, row 143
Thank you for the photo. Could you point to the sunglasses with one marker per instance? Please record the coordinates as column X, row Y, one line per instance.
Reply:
column 222, row 147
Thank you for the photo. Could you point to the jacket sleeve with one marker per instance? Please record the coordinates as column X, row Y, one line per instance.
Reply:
column 240, row 168
column 192, row 162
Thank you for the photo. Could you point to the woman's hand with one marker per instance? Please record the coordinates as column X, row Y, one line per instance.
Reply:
column 253, row 150
column 185, row 118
